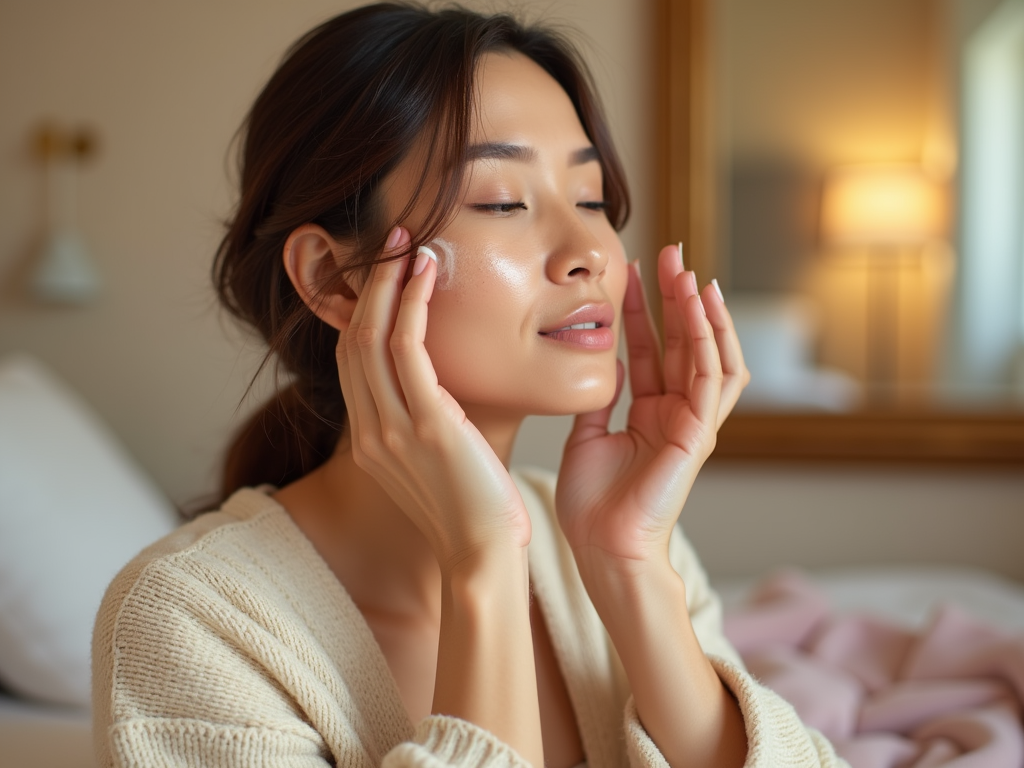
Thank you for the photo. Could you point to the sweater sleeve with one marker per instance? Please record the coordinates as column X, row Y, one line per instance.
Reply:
column 449, row 742
column 775, row 734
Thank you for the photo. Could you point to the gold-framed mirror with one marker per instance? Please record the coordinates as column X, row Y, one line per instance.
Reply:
column 896, row 395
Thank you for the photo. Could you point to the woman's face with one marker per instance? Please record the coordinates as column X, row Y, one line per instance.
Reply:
column 528, row 253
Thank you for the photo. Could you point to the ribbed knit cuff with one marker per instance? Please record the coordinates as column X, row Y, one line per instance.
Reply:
column 775, row 735
column 440, row 740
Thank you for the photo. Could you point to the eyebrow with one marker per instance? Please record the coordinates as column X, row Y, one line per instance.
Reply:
column 523, row 154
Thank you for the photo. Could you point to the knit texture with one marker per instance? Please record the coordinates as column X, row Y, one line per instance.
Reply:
column 231, row 643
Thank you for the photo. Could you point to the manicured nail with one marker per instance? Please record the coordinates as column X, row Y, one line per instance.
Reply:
column 636, row 265
column 393, row 238
column 681, row 254
column 718, row 289
column 702, row 310
column 422, row 254
column 693, row 282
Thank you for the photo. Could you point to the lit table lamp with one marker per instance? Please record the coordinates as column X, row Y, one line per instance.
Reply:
column 883, row 211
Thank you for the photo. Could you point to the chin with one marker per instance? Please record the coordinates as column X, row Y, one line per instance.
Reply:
column 577, row 400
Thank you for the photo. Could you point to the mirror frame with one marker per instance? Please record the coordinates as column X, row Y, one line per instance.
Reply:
column 687, row 194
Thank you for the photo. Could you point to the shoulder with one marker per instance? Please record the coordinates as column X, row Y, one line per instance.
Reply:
column 236, row 535
column 218, row 623
column 218, row 587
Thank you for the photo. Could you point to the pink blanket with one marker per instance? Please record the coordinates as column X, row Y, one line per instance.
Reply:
column 950, row 694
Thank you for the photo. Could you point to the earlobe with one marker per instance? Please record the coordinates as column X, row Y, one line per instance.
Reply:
column 311, row 259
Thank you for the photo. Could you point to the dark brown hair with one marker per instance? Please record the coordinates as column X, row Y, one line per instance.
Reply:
column 342, row 111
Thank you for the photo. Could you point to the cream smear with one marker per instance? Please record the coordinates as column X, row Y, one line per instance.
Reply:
column 445, row 253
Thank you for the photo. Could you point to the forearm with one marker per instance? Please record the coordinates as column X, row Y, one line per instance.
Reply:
column 681, row 702
column 485, row 661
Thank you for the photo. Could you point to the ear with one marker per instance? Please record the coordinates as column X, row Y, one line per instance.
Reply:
column 311, row 257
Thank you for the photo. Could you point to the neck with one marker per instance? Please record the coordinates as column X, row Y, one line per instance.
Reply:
column 374, row 549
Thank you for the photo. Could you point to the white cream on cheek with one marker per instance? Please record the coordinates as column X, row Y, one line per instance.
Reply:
column 446, row 259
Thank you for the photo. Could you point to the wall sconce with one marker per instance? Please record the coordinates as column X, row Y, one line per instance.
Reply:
column 65, row 273
column 885, row 211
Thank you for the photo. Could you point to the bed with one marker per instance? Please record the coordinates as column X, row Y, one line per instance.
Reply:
column 74, row 507
column 898, row 667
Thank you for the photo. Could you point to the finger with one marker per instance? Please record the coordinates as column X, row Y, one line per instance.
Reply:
column 706, row 389
column 359, row 402
column 678, row 351
column 734, row 369
column 415, row 371
column 359, row 399
column 359, row 418
column 642, row 345
column 376, row 325
column 587, row 426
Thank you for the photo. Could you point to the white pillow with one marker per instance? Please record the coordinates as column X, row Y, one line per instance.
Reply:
column 74, row 508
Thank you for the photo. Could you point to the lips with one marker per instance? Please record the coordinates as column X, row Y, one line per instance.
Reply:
column 588, row 327
column 593, row 315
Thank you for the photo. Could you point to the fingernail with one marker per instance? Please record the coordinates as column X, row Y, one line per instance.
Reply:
column 393, row 238
column 636, row 266
column 702, row 310
column 718, row 289
column 422, row 254
column 693, row 282
column 681, row 254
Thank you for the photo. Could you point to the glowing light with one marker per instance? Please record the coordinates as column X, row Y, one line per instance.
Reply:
column 881, row 206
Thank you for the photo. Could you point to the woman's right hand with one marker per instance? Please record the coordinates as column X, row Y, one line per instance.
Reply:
column 408, row 432
column 414, row 439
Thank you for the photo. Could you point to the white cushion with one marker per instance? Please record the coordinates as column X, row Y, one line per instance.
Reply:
column 74, row 508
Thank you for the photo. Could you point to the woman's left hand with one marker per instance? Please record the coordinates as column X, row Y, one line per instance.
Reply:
column 620, row 494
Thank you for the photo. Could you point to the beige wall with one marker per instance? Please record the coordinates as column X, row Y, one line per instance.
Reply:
column 166, row 85
column 745, row 519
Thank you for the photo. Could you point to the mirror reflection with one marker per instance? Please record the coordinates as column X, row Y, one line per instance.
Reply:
column 872, row 183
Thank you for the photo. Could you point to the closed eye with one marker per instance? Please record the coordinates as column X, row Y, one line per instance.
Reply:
column 594, row 205
column 500, row 207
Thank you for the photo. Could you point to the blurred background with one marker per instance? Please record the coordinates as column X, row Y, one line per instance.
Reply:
column 871, row 161
column 115, row 175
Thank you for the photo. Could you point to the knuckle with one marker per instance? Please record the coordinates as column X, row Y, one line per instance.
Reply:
column 403, row 343
column 366, row 336
column 392, row 440
column 426, row 432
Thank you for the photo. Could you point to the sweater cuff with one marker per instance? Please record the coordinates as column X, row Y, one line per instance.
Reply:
column 775, row 734
column 441, row 740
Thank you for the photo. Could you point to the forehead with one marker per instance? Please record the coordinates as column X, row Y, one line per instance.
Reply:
column 517, row 100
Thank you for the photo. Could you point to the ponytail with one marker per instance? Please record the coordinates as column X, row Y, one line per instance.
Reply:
column 287, row 438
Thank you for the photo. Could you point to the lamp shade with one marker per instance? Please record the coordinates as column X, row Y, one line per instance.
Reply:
column 881, row 206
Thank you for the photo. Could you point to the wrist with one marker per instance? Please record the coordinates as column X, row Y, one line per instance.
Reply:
column 475, row 574
column 600, row 569
column 625, row 592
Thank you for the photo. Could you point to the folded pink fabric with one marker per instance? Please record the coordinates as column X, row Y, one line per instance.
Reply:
column 949, row 695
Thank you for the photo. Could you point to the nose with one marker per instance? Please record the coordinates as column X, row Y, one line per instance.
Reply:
column 577, row 254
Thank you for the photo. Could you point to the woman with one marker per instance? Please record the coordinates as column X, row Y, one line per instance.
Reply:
column 426, row 238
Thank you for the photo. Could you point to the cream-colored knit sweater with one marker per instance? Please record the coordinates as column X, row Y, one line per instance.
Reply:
column 231, row 643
